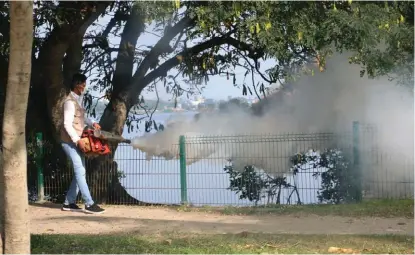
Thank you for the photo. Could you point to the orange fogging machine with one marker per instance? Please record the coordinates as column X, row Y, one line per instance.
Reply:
column 97, row 141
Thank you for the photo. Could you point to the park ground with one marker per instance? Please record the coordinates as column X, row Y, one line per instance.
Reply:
column 385, row 226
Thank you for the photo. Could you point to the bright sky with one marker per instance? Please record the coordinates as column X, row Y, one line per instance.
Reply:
column 217, row 87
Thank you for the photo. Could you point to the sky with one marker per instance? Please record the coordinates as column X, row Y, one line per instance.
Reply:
column 218, row 88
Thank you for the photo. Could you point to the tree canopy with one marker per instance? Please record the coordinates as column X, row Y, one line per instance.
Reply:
column 200, row 39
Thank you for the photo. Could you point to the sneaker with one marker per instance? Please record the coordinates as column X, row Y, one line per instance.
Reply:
column 94, row 209
column 71, row 207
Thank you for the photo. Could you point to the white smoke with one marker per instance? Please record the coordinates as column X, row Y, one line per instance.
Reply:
column 326, row 102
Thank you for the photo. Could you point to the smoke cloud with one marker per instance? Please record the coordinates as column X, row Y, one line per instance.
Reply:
column 329, row 101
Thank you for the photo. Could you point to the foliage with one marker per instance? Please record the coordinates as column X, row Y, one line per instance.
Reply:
column 338, row 183
column 253, row 186
column 220, row 38
column 200, row 39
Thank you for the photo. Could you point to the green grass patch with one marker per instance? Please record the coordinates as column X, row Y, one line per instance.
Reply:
column 219, row 244
column 371, row 208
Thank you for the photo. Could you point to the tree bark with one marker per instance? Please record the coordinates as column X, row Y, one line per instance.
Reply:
column 103, row 170
column 16, row 216
column 1, row 205
column 51, row 58
column 115, row 115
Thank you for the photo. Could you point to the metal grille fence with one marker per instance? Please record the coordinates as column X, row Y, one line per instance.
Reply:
column 251, row 170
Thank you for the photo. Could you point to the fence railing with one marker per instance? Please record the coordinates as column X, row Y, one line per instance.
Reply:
column 246, row 170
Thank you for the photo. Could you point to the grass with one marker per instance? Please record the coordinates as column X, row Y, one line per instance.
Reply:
column 386, row 208
column 219, row 244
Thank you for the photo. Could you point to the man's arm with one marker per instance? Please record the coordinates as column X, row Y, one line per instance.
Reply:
column 68, row 117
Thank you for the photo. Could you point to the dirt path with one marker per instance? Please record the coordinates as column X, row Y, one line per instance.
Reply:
column 121, row 219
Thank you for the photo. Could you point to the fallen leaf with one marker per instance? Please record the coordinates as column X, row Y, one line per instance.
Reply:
column 342, row 250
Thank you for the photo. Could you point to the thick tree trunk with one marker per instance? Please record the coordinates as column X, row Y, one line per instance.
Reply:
column 3, row 82
column 66, row 39
column 103, row 171
column 1, row 205
column 16, row 215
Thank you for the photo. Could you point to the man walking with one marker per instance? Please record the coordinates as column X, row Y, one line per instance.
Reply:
column 71, row 131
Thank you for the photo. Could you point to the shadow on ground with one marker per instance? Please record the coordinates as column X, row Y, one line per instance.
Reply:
column 45, row 205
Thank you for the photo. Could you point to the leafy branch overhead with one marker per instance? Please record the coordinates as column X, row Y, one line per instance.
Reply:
column 126, row 47
column 195, row 40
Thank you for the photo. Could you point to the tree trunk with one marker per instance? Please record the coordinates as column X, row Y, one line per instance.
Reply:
column 65, row 39
column 16, row 215
column 1, row 206
column 102, row 171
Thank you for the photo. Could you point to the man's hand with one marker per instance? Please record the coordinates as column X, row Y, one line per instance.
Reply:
column 96, row 126
column 81, row 145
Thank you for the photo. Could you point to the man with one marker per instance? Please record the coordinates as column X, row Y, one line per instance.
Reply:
column 71, row 131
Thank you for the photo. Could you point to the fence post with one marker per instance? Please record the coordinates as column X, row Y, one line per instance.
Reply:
column 183, row 177
column 356, row 159
column 39, row 164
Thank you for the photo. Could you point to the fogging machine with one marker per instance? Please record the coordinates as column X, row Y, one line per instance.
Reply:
column 97, row 141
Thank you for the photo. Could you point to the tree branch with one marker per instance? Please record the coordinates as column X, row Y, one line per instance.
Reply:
column 101, row 41
column 256, row 67
column 141, row 81
column 125, row 58
column 111, row 24
column 254, row 53
column 95, row 59
column 161, row 46
column 253, row 84
column 172, row 62
column 73, row 58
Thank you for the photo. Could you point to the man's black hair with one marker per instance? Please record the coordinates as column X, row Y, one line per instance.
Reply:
column 77, row 79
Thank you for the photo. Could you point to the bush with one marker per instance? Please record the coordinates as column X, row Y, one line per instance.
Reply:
column 339, row 184
column 254, row 186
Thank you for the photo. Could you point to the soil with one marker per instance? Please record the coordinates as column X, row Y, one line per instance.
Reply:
column 124, row 219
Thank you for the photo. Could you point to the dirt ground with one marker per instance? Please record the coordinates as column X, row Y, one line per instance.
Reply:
column 123, row 219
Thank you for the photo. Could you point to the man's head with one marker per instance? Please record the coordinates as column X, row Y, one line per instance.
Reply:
column 78, row 84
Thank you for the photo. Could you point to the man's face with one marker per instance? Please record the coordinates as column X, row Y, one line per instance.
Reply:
column 80, row 88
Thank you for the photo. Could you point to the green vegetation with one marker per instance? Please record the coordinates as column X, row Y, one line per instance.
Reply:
column 215, row 244
column 386, row 208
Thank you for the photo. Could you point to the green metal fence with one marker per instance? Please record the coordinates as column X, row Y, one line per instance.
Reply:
column 246, row 170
